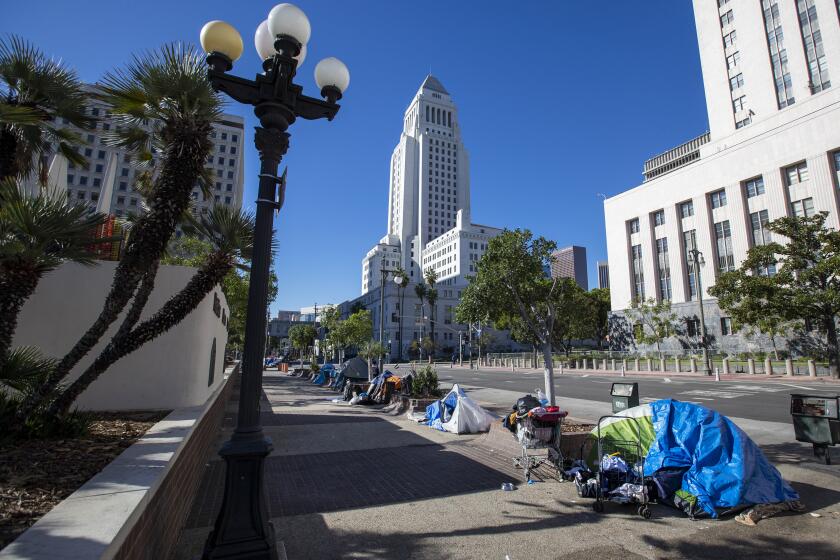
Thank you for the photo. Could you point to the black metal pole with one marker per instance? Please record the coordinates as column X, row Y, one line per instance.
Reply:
column 242, row 529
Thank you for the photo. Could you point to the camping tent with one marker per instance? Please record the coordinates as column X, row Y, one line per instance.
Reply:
column 459, row 414
column 722, row 468
column 355, row 369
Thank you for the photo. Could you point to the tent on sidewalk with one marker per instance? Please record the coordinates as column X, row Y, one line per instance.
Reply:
column 710, row 464
column 459, row 414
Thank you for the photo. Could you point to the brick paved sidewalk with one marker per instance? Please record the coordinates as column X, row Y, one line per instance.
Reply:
column 352, row 482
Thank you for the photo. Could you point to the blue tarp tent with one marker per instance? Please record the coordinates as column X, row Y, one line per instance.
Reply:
column 725, row 468
column 459, row 414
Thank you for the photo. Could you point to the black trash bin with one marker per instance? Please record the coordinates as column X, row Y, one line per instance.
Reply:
column 816, row 420
column 624, row 396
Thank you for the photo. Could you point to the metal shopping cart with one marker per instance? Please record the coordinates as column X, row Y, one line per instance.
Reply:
column 621, row 470
column 538, row 430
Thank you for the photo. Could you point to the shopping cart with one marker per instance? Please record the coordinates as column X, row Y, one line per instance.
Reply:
column 621, row 467
column 537, row 430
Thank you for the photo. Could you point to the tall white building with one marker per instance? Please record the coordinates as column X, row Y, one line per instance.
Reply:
column 110, row 171
column 429, row 223
column 772, row 150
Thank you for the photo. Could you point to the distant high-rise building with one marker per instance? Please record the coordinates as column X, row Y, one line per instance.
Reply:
column 603, row 274
column 570, row 262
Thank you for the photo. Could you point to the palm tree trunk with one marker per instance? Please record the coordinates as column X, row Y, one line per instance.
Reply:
column 16, row 285
column 182, row 164
column 173, row 312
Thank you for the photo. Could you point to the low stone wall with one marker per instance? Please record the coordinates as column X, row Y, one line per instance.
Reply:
column 134, row 508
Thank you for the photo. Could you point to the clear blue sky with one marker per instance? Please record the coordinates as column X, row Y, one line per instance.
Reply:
column 559, row 100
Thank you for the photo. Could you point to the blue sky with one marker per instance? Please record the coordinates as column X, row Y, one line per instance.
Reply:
column 558, row 100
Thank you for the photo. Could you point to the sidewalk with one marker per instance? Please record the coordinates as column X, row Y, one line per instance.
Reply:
column 353, row 482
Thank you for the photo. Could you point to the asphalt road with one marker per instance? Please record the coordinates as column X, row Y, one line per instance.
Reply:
column 755, row 400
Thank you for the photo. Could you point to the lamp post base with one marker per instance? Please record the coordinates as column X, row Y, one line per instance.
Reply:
column 243, row 531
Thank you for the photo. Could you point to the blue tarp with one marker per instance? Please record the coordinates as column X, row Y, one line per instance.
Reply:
column 441, row 411
column 725, row 467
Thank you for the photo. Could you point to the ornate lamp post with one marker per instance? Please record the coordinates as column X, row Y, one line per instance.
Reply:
column 696, row 260
column 399, row 280
column 242, row 529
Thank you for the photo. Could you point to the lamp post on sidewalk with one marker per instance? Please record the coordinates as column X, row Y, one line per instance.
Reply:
column 242, row 529
column 695, row 258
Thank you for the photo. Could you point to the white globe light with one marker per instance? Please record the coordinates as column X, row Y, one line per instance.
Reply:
column 302, row 56
column 288, row 19
column 332, row 72
column 264, row 41
column 398, row 280
column 219, row 36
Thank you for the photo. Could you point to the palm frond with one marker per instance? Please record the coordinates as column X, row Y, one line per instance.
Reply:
column 24, row 368
column 229, row 230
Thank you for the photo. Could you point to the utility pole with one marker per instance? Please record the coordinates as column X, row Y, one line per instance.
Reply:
column 383, row 274
column 460, row 348
column 696, row 258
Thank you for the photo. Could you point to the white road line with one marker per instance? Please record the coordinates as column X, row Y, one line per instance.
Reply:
column 837, row 390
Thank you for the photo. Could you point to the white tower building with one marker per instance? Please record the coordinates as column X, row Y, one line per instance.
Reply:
column 772, row 150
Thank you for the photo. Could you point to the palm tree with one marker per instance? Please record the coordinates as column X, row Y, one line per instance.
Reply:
column 37, row 234
column 231, row 234
column 420, row 292
column 35, row 92
column 432, row 296
column 166, row 107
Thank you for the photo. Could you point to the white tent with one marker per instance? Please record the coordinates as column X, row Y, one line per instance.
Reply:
column 467, row 416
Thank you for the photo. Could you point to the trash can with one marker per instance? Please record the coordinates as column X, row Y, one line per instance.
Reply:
column 624, row 396
column 816, row 420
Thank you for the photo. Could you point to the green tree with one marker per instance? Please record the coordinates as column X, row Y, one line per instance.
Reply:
column 302, row 337
column 358, row 328
column 511, row 281
column 37, row 234
column 573, row 314
column 371, row 351
column 168, row 89
column 36, row 92
column 655, row 321
column 806, row 286
column 599, row 310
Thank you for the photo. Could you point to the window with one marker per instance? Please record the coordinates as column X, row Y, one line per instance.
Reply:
column 727, row 19
column 634, row 225
column 754, row 187
column 725, row 326
column 797, row 173
column 83, row 180
column 227, row 200
column 638, row 274
column 718, row 198
column 723, row 239
column 836, row 155
column 97, row 182
column 812, row 38
column 687, row 209
column 803, row 208
column 80, row 195
column 689, row 243
column 123, row 185
column 722, row 3
column 738, row 103
column 224, row 135
column 88, row 152
column 778, row 54
column 234, row 138
column 99, row 168
column 736, row 82
column 659, row 218
column 120, row 200
column 732, row 60
column 70, row 179
column 664, row 269
column 133, row 202
column 222, row 148
column 743, row 122
column 761, row 236
column 729, row 39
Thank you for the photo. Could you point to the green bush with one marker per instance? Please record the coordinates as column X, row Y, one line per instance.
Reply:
column 425, row 383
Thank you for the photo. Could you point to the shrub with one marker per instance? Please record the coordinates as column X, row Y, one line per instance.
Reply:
column 425, row 383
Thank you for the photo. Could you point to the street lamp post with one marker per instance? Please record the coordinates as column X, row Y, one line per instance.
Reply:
column 695, row 258
column 399, row 280
column 242, row 529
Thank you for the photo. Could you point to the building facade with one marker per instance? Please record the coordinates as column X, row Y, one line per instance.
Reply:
column 570, row 262
column 429, row 226
column 772, row 150
column 603, row 274
column 107, row 181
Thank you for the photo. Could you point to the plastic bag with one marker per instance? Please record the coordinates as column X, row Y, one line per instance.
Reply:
column 613, row 463
column 542, row 398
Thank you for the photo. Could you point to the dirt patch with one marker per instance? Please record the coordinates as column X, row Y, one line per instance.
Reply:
column 568, row 427
column 36, row 475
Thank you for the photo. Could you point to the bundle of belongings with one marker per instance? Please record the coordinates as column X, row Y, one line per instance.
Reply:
column 459, row 414
column 351, row 372
column 533, row 422
column 324, row 374
column 378, row 391
column 694, row 459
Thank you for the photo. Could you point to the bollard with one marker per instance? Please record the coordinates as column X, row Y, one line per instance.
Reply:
column 662, row 364
column 677, row 367
column 717, row 374
column 768, row 366
column 604, row 363
column 750, row 366
column 649, row 364
column 812, row 368
column 726, row 366
column 789, row 367
column 612, row 364
column 561, row 368
column 693, row 365
column 636, row 364
column 577, row 364
column 624, row 369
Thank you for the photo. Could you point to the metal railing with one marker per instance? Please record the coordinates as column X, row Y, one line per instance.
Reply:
column 675, row 157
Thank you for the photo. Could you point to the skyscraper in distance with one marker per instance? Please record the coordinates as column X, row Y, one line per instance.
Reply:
column 570, row 262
